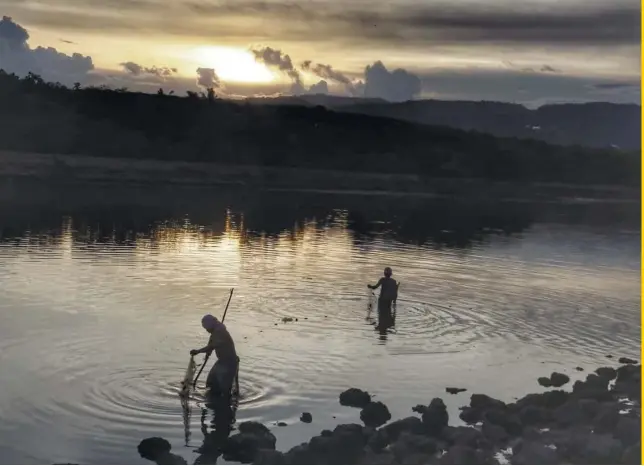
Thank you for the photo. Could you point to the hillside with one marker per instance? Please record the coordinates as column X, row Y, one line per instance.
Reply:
column 39, row 117
column 597, row 124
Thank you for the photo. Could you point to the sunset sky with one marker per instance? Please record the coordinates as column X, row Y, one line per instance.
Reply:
column 531, row 51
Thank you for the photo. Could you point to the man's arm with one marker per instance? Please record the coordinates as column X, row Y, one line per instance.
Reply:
column 209, row 348
column 377, row 285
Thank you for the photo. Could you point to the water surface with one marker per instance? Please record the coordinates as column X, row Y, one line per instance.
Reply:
column 102, row 291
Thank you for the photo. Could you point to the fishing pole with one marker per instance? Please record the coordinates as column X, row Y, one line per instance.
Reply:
column 194, row 384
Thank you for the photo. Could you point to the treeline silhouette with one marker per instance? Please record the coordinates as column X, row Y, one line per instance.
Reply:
column 37, row 116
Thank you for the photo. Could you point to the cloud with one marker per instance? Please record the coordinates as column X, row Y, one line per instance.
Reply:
column 16, row 56
column 207, row 78
column 396, row 86
column 135, row 69
column 320, row 88
column 276, row 59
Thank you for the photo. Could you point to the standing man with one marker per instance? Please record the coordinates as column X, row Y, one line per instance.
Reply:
column 388, row 295
column 222, row 375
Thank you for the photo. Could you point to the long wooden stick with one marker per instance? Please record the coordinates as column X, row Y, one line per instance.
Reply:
column 194, row 384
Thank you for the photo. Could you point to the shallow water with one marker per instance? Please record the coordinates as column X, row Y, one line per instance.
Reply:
column 101, row 295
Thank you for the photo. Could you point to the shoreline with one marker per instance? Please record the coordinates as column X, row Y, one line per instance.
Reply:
column 597, row 422
column 62, row 170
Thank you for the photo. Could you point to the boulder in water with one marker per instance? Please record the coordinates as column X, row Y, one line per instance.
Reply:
column 245, row 445
column 558, row 379
column 306, row 418
column 375, row 414
column 355, row 398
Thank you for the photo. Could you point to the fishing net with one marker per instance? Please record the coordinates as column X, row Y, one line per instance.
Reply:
column 186, row 383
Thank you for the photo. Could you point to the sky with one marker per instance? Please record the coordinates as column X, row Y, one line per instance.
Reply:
column 529, row 51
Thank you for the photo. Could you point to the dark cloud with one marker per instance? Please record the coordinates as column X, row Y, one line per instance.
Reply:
column 572, row 23
column 135, row 69
column 276, row 59
column 320, row 88
column 207, row 78
column 548, row 69
column 18, row 57
column 397, row 86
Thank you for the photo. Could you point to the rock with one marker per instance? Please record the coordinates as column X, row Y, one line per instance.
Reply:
column 287, row 319
column 245, row 445
column 607, row 373
column 412, row 443
column 506, row 419
column 157, row 449
column 355, row 398
column 544, row 382
column 607, row 418
column 628, row 430
column 306, row 418
column 435, row 417
column 534, row 415
column 609, row 356
column 375, row 414
column 269, row 457
column 632, row 455
column 559, row 380
column 471, row 415
column 378, row 458
column 484, row 402
column 152, row 447
column 579, row 369
column 534, row 453
column 409, row 424
column 454, row 390
column 600, row 449
column 627, row 361
column 467, row 436
column 460, row 454
column 282, row 424
column 494, row 433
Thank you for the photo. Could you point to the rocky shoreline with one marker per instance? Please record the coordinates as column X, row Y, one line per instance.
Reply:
column 597, row 422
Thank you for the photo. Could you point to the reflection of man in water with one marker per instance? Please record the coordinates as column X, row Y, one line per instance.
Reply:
column 388, row 295
column 222, row 424
column 224, row 371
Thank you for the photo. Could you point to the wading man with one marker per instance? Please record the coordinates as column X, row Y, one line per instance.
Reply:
column 222, row 375
column 388, row 295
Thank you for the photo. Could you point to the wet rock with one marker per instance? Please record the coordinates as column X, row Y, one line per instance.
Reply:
column 632, row 455
column 484, row 402
column 607, row 418
column 471, row 415
column 412, row 443
column 435, row 417
column 609, row 356
column 544, row 382
column 460, row 454
column 287, row 319
column 534, row 415
column 409, row 424
column 505, row 419
column 454, row 390
column 496, row 434
column 355, row 398
column 378, row 458
column 607, row 373
column 269, row 457
column 306, row 418
column 628, row 430
column 245, row 445
column 375, row 414
column 599, row 449
column 534, row 453
column 558, row 379
column 627, row 361
column 467, row 436
column 157, row 449
column 550, row 399
column 579, row 369
column 282, row 424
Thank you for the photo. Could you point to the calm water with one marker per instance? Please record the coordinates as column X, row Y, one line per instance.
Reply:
column 102, row 291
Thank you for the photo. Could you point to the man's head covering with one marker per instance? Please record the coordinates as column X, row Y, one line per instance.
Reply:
column 210, row 322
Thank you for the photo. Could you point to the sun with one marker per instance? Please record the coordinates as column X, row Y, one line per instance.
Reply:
column 234, row 65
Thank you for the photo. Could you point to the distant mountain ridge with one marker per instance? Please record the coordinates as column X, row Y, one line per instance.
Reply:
column 595, row 124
